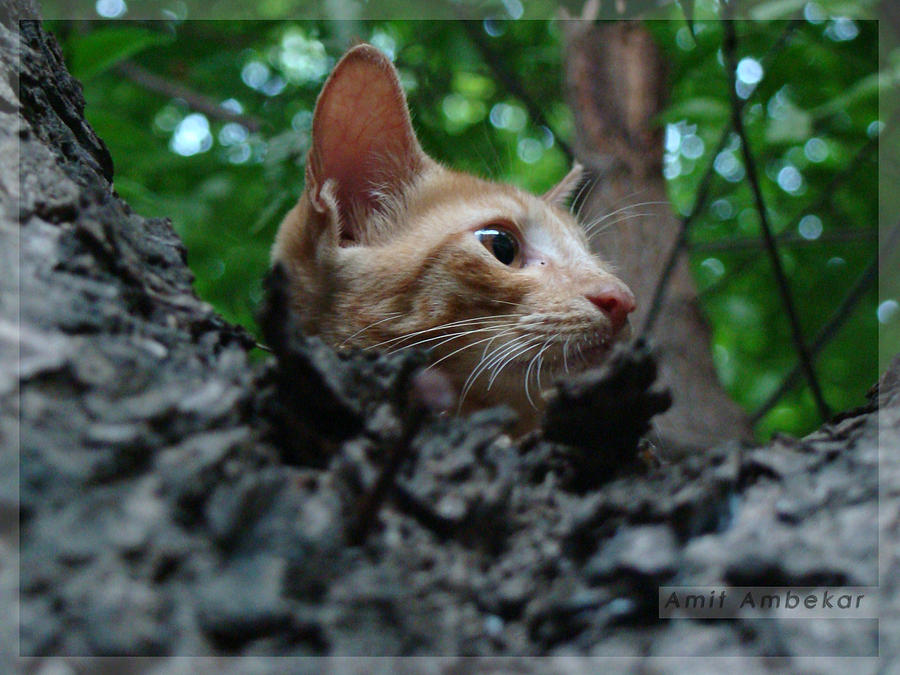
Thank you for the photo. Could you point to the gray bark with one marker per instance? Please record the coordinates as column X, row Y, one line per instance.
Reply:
column 162, row 497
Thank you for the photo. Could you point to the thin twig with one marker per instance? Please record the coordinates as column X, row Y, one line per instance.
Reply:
column 199, row 102
column 511, row 82
column 825, row 335
column 825, row 200
column 785, row 239
column 729, row 48
column 662, row 283
column 861, row 155
column 369, row 505
column 834, row 323
column 779, row 44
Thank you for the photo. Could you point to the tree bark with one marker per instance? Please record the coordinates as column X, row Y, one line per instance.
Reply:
column 616, row 89
column 169, row 499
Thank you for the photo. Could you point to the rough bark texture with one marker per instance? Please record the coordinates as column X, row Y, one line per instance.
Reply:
column 174, row 500
column 616, row 88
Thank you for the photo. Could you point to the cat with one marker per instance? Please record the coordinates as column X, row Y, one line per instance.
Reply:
column 387, row 249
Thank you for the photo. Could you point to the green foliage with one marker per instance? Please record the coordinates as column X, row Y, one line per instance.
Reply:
column 812, row 112
column 100, row 49
column 811, row 106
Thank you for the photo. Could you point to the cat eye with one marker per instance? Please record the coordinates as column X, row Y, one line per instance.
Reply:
column 503, row 245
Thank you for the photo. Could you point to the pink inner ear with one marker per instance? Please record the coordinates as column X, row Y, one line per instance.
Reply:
column 363, row 138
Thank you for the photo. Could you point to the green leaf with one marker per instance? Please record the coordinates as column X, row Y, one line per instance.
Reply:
column 271, row 211
column 101, row 49
column 781, row 9
column 776, row 9
column 867, row 88
column 687, row 8
column 473, row 85
column 792, row 126
column 698, row 109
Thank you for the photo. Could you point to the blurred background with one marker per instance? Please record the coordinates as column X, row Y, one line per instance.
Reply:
column 208, row 124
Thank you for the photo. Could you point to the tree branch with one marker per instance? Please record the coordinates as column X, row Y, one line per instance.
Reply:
column 199, row 102
column 834, row 323
column 659, row 293
column 511, row 82
column 785, row 239
column 825, row 200
column 729, row 48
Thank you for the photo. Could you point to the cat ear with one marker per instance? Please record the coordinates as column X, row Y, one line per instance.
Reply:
column 363, row 142
column 560, row 193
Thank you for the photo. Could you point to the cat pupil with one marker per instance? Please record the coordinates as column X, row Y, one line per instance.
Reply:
column 501, row 243
column 504, row 248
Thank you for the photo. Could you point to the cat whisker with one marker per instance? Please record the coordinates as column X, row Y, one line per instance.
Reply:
column 582, row 198
column 447, row 337
column 504, row 357
column 485, row 363
column 503, row 360
column 504, row 348
column 441, row 340
column 592, row 234
column 527, row 375
column 456, row 336
column 507, row 302
column 487, row 347
column 391, row 316
column 531, row 363
column 444, row 326
column 590, row 226
column 596, row 229
column 540, row 364
column 618, row 201
column 497, row 168
column 522, row 323
column 636, row 205
column 511, row 358
column 503, row 351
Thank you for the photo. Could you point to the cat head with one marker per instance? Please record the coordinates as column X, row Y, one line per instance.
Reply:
column 387, row 249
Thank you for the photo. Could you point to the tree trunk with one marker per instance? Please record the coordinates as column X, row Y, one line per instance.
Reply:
column 170, row 499
column 616, row 88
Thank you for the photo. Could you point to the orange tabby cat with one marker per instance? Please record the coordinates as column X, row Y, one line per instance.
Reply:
column 387, row 249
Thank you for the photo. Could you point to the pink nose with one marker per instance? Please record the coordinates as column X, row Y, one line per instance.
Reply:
column 616, row 301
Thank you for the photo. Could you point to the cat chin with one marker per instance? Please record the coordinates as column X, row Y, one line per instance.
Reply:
column 585, row 356
column 538, row 369
column 595, row 354
column 509, row 386
column 591, row 357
